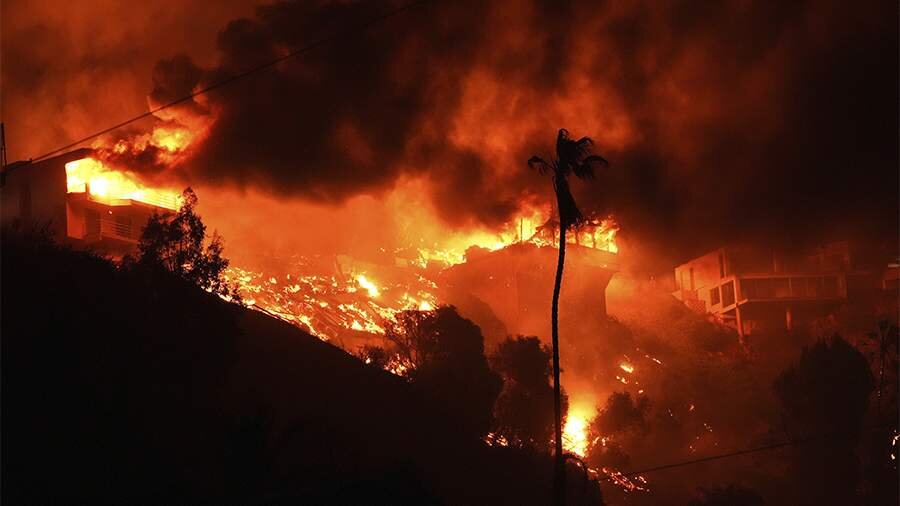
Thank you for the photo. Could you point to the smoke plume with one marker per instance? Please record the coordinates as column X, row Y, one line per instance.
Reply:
column 722, row 120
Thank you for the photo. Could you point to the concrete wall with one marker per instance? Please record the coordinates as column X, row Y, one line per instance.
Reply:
column 35, row 193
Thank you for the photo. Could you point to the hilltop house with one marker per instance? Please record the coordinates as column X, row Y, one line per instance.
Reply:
column 753, row 287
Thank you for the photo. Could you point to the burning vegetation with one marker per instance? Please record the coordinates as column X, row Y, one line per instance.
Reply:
column 618, row 410
column 381, row 214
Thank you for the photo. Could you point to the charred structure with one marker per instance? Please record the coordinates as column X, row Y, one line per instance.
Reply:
column 755, row 288
column 516, row 283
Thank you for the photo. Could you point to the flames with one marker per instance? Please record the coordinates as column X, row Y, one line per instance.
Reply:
column 576, row 430
column 93, row 177
column 327, row 303
column 102, row 178
column 533, row 225
column 341, row 302
column 328, row 299
column 166, row 144
column 368, row 285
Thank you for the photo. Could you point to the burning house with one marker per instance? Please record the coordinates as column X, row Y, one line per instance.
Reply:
column 81, row 201
column 505, row 289
column 516, row 282
column 753, row 288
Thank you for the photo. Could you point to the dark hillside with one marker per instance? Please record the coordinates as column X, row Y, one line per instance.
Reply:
column 121, row 387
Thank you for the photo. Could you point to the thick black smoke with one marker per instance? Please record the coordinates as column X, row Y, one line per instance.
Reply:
column 722, row 120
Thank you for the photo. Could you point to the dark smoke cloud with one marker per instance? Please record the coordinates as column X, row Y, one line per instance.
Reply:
column 72, row 68
column 723, row 120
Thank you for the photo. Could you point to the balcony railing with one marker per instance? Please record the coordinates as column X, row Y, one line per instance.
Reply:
column 793, row 287
column 111, row 229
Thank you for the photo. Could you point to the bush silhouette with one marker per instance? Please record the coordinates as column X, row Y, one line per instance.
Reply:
column 524, row 410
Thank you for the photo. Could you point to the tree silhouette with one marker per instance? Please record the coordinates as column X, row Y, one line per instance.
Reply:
column 572, row 157
column 175, row 243
column 621, row 418
column 622, row 413
column 826, row 392
column 522, row 412
column 444, row 357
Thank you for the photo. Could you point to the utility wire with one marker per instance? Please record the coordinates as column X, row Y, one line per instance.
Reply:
column 355, row 30
column 738, row 453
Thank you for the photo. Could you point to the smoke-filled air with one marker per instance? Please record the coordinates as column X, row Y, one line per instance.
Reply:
column 450, row 252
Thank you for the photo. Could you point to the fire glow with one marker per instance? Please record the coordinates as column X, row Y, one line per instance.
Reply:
column 94, row 178
column 363, row 296
column 575, row 430
column 333, row 304
column 368, row 285
column 362, row 300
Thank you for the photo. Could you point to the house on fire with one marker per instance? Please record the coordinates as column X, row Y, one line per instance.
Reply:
column 516, row 283
column 753, row 288
column 79, row 201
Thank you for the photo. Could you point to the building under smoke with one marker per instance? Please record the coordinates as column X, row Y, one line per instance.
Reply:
column 754, row 288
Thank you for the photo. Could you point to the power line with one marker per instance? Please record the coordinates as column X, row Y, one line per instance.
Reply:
column 228, row 80
column 738, row 453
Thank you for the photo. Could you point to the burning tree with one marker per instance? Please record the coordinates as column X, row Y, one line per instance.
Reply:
column 572, row 157
column 175, row 243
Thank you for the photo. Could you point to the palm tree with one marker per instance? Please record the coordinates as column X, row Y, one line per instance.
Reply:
column 572, row 157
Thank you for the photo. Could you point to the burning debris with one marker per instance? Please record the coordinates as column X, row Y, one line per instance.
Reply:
column 332, row 305
column 338, row 297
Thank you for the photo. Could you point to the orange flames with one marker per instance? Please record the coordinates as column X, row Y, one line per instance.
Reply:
column 95, row 177
column 532, row 225
column 92, row 176
column 327, row 303
column 368, row 285
column 575, row 430
column 169, row 142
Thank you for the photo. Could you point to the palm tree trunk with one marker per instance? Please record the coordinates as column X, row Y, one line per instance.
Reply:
column 559, row 476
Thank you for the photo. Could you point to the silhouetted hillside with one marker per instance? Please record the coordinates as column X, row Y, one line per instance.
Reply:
column 125, row 387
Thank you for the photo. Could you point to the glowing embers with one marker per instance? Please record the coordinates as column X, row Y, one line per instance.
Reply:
column 531, row 225
column 103, row 184
column 330, row 303
column 368, row 285
column 599, row 234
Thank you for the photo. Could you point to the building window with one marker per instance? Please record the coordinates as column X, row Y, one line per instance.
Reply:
column 728, row 293
column 692, row 278
column 714, row 297
column 721, row 265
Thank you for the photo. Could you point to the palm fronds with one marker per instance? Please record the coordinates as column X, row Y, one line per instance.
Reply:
column 536, row 162
column 572, row 157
